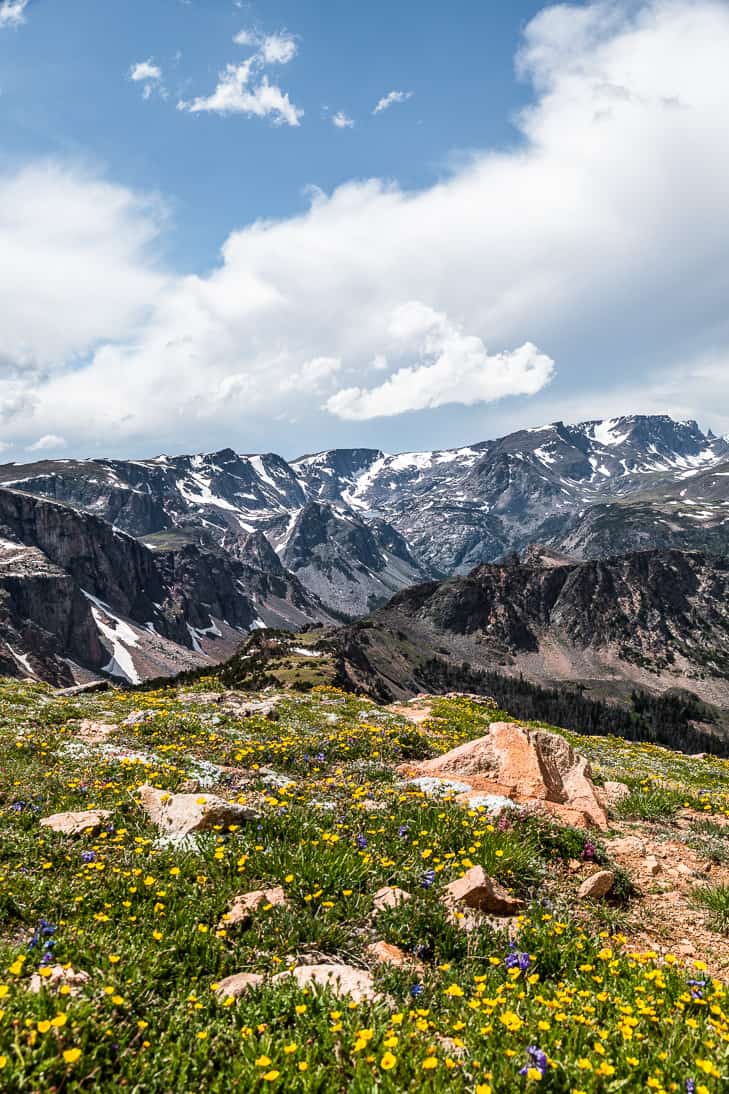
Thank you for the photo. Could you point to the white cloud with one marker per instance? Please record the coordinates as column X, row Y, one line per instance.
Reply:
column 601, row 238
column 12, row 12
column 236, row 94
column 75, row 270
column 278, row 49
column 150, row 76
column 342, row 120
column 49, row 442
column 272, row 49
column 453, row 367
column 390, row 99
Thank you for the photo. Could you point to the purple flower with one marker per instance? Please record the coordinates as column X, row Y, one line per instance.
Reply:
column 588, row 851
column 403, row 831
column 88, row 856
column 416, row 990
column 517, row 960
column 690, row 1086
column 361, row 842
column 428, row 878
column 537, row 1059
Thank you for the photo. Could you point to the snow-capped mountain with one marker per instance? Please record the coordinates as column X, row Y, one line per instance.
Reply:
column 333, row 534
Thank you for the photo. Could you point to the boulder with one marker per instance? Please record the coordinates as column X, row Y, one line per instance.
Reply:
column 525, row 765
column 83, row 689
column 596, row 885
column 75, row 824
column 389, row 897
column 478, row 891
column 181, row 814
column 243, row 907
column 343, row 980
column 239, row 984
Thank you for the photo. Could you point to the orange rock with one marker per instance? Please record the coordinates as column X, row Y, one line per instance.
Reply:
column 387, row 954
column 479, row 891
column 242, row 908
column 528, row 766
column 389, row 897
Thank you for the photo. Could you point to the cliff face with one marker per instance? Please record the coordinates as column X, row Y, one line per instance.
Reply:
column 653, row 619
column 78, row 598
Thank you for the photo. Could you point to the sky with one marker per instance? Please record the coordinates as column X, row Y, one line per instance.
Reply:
column 288, row 226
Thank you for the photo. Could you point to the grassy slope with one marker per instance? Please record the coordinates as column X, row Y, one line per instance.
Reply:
column 142, row 919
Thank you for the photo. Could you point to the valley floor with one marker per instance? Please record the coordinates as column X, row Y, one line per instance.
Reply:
column 114, row 943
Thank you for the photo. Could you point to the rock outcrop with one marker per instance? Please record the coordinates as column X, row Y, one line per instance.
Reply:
column 531, row 767
column 180, row 815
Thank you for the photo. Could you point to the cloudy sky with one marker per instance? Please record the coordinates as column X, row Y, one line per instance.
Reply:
column 286, row 226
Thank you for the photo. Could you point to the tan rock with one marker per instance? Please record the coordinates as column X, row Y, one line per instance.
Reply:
column 652, row 866
column 94, row 733
column 480, row 892
column 239, row 984
column 389, row 897
column 387, row 954
column 596, row 885
column 243, row 907
column 343, row 980
column 75, row 824
column 625, row 846
column 527, row 766
column 60, row 977
column 611, row 793
column 181, row 814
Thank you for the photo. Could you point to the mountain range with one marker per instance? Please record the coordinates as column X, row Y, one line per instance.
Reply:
column 140, row 568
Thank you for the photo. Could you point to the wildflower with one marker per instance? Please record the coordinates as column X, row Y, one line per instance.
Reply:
column 361, row 842
column 388, row 1061
column 428, row 878
column 538, row 1063
column 71, row 1055
column 416, row 990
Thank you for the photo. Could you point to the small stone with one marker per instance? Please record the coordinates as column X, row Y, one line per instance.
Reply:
column 239, row 984
column 389, row 897
column 653, row 866
column 242, row 908
column 343, row 980
column 479, row 891
column 684, row 870
column 625, row 845
column 434, row 787
column 60, row 977
column 180, row 814
column 597, row 885
column 387, row 954
column 75, row 824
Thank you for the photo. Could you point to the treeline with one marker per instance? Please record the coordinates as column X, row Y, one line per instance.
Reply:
column 661, row 719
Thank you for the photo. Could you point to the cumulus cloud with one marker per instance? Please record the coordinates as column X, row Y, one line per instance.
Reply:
column 149, row 75
column 600, row 238
column 235, row 94
column 342, row 120
column 453, row 367
column 390, row 99
column 12, row 12
column 241, row 89
column 49, row 442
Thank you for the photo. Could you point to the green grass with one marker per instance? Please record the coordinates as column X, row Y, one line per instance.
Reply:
column 715, row 900
column 142, row 918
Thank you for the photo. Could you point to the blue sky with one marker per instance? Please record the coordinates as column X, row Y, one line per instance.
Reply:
column 531, row 227
column 66, row 92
